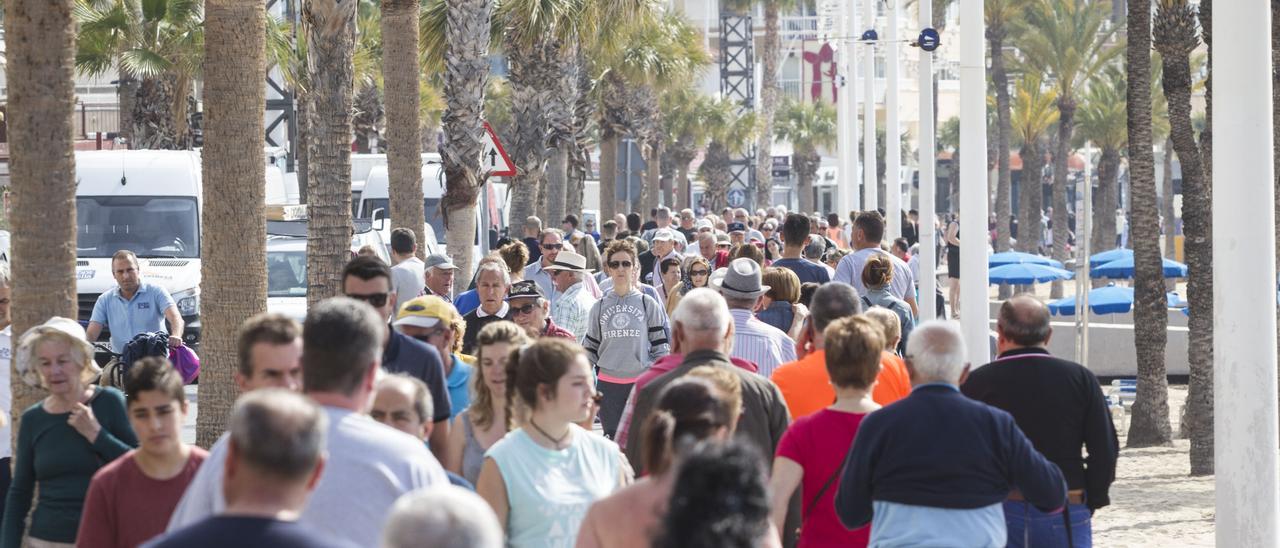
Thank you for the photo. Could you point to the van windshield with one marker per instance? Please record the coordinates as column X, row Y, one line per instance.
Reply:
column 286, row 273
column 430, row 205
column 149, row 226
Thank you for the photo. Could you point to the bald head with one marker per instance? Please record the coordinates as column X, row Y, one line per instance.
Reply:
column 1024, row 321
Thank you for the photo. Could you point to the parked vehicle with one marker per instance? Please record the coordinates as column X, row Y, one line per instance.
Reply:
column 287, row 263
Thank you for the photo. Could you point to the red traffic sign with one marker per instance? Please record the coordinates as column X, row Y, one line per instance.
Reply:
column 493, row 158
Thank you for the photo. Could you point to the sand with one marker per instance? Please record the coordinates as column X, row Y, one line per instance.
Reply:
column 1154, row 501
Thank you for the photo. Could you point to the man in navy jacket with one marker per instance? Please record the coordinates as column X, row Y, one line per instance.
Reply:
column 1059, row 405
column 934, row 468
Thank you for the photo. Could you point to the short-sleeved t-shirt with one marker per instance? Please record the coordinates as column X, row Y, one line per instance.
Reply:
column 125, row 319
column 404, row 354
column 125, row 508
column 807, row 271
column 247, row 532
column 819, row 443
column 459, row 383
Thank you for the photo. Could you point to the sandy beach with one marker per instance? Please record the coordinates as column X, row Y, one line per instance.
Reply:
column 1154, row 502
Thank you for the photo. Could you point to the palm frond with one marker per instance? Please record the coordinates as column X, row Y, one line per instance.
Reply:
column 144, row 63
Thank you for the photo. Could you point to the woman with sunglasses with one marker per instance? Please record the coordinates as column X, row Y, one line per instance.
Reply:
column 541, row 478
column 485, row 422
column 626, row 332
column 695, row 273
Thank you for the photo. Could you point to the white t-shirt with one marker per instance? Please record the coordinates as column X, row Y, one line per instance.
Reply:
column 6, row 354
column 407, row 280
column 369, row 466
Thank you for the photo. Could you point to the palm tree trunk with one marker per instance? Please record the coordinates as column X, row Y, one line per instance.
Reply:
column 234, row 98
column 770, row 52
column 561, row 103
column 1000, row 80
column 608, row 174
column 1104, row 217
column 126, row 93
column 1031, row 197
column 466, row 76
column 330, row 46
column 580, row 156
column 40, row 50
column 1062, row 148
column 1150, row 424
column 717, row 176
column 1166, row 205
column 528, row 148
column 806, row 164
column 652, row 194
column 1198, row 212
column 681, row 186
column 404, row 131
column 153, row 122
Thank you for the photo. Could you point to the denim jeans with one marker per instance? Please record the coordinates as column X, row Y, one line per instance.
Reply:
column 1031, row 528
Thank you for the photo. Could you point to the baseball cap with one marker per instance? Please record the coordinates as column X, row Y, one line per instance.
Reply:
column 722, row 239
column 525, row 289
column 737, row 227
column 663, row 235
column 703, row 223
column 425, row 311
column 439, row 260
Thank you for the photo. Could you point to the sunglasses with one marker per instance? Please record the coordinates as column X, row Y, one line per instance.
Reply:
column 619, row 264
column 552, row 246
column 699, row 273
column 378, row 300
column 427, row 338
column 526, row 309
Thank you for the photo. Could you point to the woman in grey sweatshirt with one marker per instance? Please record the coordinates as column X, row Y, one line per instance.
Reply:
column 626, row 332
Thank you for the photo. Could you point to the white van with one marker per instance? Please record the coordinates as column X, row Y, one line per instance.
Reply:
column 147, row 202
column 374, row 200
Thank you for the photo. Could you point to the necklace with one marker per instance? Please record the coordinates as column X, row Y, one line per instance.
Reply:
column 555, row 440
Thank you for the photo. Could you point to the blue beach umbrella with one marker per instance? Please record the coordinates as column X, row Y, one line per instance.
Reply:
column 1018, row 257
column 1099, row 259
column 1022, row 273
column 1123, row 268
column 1108, row 300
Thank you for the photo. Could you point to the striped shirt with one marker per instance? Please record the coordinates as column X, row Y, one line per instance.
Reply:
column 571, row 310
column 760, row 343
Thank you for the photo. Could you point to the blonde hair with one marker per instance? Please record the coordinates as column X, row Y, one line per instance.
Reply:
column 727, row 383
column 890, row 324
column 853, row 346
column 783, row 284
column 481, row 409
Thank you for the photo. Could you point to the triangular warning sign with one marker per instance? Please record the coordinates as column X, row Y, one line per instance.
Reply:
column 493, row 158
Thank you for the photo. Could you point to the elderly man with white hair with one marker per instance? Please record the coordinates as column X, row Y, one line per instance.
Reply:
column 702, row 330
column 442, row 517
column 933, row 469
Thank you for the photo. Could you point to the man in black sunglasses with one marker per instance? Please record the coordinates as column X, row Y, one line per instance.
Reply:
column 531, row 311
column 550, row 243
column 368, row 279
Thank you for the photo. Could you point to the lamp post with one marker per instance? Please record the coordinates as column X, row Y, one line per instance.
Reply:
column 847, row 195
column 928, row 179
column 973, row 184
column 870, row 186
column 892, row 144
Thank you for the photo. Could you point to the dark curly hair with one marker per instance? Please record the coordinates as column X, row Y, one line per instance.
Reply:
column 720, row 500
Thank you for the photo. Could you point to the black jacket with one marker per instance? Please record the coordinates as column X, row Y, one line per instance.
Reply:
column 1059, row 405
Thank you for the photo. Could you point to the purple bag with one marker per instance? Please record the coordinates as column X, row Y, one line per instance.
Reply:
column 186, row 362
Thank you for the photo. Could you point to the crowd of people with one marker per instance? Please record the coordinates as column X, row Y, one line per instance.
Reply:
column 716, row 380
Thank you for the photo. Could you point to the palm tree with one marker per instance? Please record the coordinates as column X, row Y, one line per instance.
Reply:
column 1174, row 36
column 234, row 99
column 157, row 46
column 39, row 53
column 770, row 93
column 368, row 119
column 1150, row 425
column 730, row 129
column 404, row 126
column 808, row 126
column 684, row 122
column 1069, row 40
column 330, row 37
column 1033, row 114
column 1102, row 122
column 998, row 14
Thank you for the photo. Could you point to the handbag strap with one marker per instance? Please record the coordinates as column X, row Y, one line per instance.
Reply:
column 817, row 497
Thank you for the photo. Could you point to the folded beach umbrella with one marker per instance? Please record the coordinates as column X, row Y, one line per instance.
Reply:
column 1123, row 268
column 1022, row 273
column 1099, row 259
column 1018, row 257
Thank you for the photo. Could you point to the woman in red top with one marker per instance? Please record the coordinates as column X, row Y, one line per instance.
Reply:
column 813, row 449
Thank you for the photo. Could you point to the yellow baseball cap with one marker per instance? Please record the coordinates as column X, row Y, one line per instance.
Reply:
column 425, row 311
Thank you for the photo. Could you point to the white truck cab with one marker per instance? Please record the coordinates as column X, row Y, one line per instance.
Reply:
column 147, row 202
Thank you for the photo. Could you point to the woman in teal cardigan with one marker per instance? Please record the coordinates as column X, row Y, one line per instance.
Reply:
column 62, row 440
